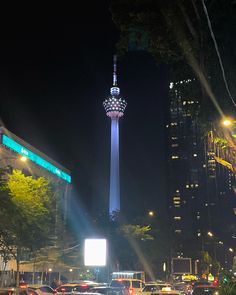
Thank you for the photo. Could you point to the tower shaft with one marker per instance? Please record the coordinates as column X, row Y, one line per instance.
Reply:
column 114, row 198
column 114, row 106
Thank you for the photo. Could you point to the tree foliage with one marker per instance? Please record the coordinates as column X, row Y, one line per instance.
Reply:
column 27, row 218
column 28, row 209
column 141, row 243
column 136, row 231
column 177, row 33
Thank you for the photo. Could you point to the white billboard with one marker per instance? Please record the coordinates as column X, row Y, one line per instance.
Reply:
column 95, row 252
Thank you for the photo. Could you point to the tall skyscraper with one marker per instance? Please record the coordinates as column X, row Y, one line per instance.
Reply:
column 199, row 187
column 185, row 159
column 114, row 107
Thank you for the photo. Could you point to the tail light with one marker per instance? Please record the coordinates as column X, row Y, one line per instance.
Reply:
column 131, row 291
column 84, row 285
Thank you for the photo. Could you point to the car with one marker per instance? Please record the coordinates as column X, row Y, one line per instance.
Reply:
column 201, row 282
column 66, row 288
column 166, row 291
column 134, row 286
column 85, row 286
column 205, row 290
column 76, row 288
column 42, row 289
column 183, row 287
column 151, row 287
column 110, row 290
column 16, row 291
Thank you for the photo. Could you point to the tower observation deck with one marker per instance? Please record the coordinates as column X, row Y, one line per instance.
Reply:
column 114, row 106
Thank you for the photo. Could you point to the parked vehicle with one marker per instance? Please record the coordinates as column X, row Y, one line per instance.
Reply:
column 151, row 287
column 166, row 291
column 183, row 287
column 42, row 289
column 76, row 288
column 85, row 286
column 110, row 290
column 65, row 289
column 205, row 289
column 134, row 286
column 15, row 291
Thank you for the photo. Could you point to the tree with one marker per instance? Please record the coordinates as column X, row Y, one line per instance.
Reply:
column 142, row 243
column 177, row 33
column 205, row 262
column 26, row 214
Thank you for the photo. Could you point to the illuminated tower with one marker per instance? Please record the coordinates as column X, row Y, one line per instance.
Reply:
column 114, row 107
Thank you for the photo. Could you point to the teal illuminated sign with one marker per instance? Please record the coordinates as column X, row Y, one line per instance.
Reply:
column 15, row 146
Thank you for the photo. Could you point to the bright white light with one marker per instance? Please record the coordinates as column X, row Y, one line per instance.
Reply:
column 23, row 159
column 210, row 234
column 95, row 252
column 227, row 122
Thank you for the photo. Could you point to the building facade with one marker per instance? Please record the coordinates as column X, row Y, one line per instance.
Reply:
column 17, row 154
column 199, row 186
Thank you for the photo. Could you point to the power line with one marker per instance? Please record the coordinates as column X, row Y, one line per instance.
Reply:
column 218, row 53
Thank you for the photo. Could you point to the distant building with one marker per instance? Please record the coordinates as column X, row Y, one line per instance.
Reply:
column 197, row 183
column 18, row 154
column 185, row 159
column 15, row 153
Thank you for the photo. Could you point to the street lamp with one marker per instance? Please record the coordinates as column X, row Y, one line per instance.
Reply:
column 23, row 159
column 210, row 234
column 151, row 213
column 227, row 122
column 49, row 276
column 71, row 270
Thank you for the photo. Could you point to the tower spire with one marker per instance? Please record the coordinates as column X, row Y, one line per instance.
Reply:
column 114, row 70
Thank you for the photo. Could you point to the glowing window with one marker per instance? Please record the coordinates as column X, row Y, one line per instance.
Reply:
column 178, row 231
column 177, row 218
column 174, row 157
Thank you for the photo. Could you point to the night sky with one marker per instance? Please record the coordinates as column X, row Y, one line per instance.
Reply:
column 55, row 72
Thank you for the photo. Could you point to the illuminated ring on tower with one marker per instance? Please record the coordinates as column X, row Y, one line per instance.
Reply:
column 114, row 107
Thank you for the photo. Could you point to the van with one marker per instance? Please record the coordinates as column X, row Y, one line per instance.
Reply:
column 134, row 286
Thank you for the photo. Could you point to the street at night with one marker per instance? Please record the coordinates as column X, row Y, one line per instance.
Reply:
column 118, row 148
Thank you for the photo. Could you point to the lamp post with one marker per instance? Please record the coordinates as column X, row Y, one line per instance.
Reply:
column 49, row 275
column 227, row 122
column 71, row 271
column 20, row 158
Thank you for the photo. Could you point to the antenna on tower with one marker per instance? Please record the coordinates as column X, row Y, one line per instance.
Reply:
column 114, row 71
